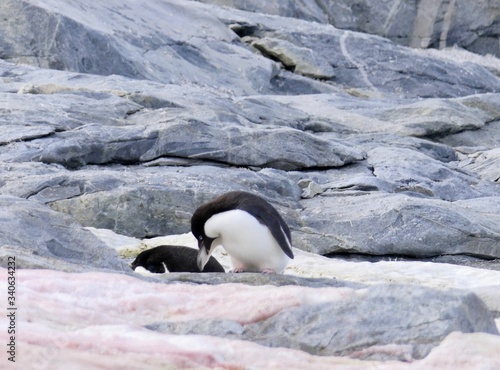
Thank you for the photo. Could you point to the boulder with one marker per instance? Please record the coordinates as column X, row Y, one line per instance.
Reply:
column 39, row 237
column 327, row 329
column 157, row 201
column 396, row 224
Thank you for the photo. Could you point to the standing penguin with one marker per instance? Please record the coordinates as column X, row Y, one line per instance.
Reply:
column 250, row 229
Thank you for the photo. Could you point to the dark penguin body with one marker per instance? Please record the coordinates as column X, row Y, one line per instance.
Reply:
column 250, row 230
column 173, row 258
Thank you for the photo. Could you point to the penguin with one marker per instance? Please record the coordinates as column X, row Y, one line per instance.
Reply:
column 173, row 258
column 250, row 229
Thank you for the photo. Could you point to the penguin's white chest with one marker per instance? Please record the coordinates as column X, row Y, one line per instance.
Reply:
column 249, row 243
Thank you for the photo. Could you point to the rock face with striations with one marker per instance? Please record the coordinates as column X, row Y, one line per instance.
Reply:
column 127, row 117
column 421, row 24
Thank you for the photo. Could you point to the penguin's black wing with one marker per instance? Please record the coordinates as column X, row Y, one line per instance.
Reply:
column 267, row 215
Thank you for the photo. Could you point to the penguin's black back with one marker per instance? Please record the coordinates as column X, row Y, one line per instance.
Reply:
column 177, row 259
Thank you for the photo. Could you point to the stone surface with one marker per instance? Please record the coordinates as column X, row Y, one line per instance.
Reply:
column 298, row 59
column 416, row 311
column 40, row 237
column 119, row 119
column 486, row 164
column 139, row 49
column 397, row 224
column 418, row 24
column 126, row 302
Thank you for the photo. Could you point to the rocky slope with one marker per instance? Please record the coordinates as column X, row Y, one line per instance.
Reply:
column 127, row 117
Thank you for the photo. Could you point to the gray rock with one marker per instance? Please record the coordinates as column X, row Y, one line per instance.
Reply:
column 472, row 25
column 437, row 151
column 486, row 164
column 88, row 119
column 410, row 171
column 218, row 328
column 66, row 111
column 376, row 223
column 419, row 118
column 42, row 238
column 118, row 131
column 488, row 138
column 423, row 24
column 372, row 63
column 12, row 133
column 298, row 59
column 252, row 279
column 139, row 49
column 133, row 49
column 154, row 201
column 280, row 148
column 415, row 316
column 123, row 116
column 302, row 9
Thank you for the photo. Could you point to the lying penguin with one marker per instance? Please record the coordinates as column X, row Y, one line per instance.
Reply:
column 251, row 231
column 173, row 258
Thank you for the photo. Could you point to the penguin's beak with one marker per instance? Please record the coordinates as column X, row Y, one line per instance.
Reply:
column 203, row 255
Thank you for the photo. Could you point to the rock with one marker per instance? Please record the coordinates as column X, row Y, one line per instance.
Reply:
column 352, row 56
column 217, row 328
column 416, row 172
column 250, row 147
column 431, row 149
column 41, row 238
column 133, row 49
column 138, row 50
column 253, row 279
column 330, row 316
column 486, row 164
column 125, row 118
column 13, row 133
column 420, row 25
column 327, row 329
column 487, row 137
column 145, row 197
column 298, row 59
column 426, row 24
column 398, row 224
column 310, row 188
column 422, row 316
column 176, row 351
column 123, row 136
column 393, row 270
column 427, row 118
column 298, row 9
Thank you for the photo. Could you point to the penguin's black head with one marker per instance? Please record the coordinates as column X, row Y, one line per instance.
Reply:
column 200, row 217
